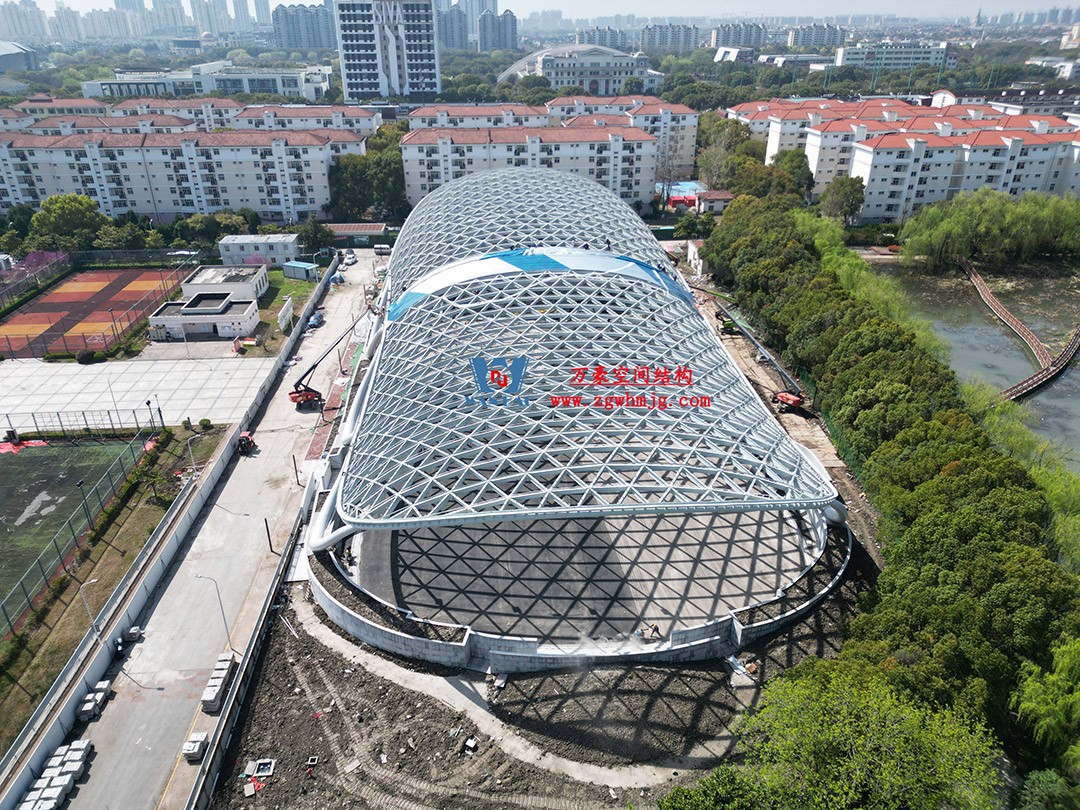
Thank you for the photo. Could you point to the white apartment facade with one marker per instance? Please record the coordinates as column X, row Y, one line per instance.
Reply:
column 388, row 48
column 623, row 160
column 902, row 172
column 124, row 125
column 478, row 116
column 673, row 125
column 208, row 113
column 895, row 55
column 283, row 176
column 816, row 36
column 304, row 116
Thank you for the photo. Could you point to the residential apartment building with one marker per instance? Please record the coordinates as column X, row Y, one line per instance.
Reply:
column 614, row 38
column 304, row 28
column 739, row 35
column 1035, row 102
column 304, row 116
column 890, row 55
column 497, row 32
column 124, row 125
column 622, row 159
column 816, row 36
column 283, row 176
column 453, row 29
column 478, row 116
column 42, row 105
column 215, row 77
column 208, row 113
column 601, row 71
column 388, row 48
column 670, row 38
column 673, row 125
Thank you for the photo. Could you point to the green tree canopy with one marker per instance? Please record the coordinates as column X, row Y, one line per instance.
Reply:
column 833, row 735
column 315, row 235
column 66, row 222
column 793, row 161
column 842, row 199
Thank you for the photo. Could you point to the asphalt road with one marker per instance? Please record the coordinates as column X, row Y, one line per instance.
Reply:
column 139, row 735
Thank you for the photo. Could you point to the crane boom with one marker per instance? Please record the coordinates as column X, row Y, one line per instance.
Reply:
column 303, row 394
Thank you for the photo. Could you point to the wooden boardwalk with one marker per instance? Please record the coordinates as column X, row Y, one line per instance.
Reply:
column 1049, row 366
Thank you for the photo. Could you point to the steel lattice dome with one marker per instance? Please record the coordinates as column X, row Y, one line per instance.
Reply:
column 516, row 208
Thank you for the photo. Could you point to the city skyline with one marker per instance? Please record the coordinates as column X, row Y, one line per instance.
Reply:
column 686, row 8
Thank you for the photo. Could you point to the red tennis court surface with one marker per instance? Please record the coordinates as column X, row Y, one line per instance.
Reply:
column 75, row 314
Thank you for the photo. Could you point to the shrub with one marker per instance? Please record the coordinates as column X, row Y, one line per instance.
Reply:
column 205, row 424
column 84, row 357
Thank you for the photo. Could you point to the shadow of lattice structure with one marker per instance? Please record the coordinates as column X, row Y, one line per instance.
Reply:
column 559, row 580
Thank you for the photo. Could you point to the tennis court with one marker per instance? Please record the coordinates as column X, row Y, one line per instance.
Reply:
column 88, row 310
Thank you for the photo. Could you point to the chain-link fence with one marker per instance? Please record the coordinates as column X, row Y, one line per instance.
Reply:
column 31, row 591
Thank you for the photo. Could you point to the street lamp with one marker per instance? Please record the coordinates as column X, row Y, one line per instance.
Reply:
column 116, row 335
column 85, row 505
column 221, row 607
column 191, row 455
column 151, row 411
column 93, row 624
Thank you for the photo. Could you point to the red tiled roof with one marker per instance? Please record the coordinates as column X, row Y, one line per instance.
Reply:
column 903, row 140
column 849, row 124
column 1030, row 121
column 466, row 110
column 160, row 140
column 715, row 194
column 997, row 137
column 109, row 122
column 968, row 110
column 485, row 135
column 597, row 119
column 7, row 112
column 44, row 101
column 302, row 111
column 345, row 228
column 657, row 109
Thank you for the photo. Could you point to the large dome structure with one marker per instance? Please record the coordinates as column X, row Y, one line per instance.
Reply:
column 551, row 446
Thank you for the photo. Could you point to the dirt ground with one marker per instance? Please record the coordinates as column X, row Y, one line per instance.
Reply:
column 380, row 745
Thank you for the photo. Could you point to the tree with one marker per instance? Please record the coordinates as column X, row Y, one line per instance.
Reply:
column 315, row 235
column 726, row 788
column 744, row 175
column 842, row 199
column 1046, row 790
column 794, row 162
column 66, row 222
column 833, row 734
column 691, row 225
column 1049, row 702
column 632, row 85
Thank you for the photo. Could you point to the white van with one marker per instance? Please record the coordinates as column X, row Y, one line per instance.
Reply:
column 382, row 250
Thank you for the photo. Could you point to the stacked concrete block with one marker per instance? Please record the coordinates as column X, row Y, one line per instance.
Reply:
column 62, row 770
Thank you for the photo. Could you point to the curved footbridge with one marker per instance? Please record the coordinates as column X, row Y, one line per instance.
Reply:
column 1049, row 365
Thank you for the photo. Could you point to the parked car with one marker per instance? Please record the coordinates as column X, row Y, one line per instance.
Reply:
column 316, row 320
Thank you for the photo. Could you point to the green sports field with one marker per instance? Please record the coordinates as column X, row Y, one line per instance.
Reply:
column 38, row 494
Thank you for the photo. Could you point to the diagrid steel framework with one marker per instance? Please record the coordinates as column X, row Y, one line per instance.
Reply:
column 521, row 307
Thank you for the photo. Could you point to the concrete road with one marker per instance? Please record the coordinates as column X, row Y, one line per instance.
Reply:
column 139, row 735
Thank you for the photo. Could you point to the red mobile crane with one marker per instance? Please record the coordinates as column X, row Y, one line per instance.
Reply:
column 303, row 394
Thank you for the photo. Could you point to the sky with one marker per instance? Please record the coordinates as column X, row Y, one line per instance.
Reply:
column 595, row 8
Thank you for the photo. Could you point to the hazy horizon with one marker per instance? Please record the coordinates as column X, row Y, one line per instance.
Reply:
column 686, row 8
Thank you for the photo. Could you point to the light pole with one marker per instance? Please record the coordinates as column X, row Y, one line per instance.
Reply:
column 85, row 505
column 112, row 396
column 191, row 455
column 151, row 411
column 221, row 607
column 116, row 335
column 93, row 624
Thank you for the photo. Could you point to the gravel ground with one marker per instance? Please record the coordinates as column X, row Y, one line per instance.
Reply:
column 310, row 703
